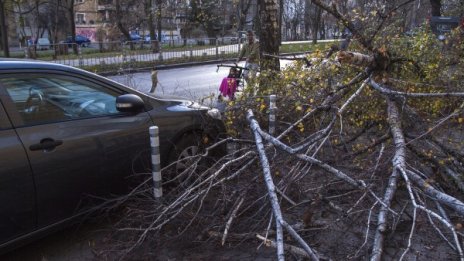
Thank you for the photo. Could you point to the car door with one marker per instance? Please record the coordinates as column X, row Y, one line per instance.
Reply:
column 17, row 193
column 79, row 146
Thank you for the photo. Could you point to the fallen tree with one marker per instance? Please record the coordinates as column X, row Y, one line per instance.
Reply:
column 367, row 160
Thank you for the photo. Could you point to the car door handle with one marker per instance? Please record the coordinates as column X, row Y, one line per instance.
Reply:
column 46, row 144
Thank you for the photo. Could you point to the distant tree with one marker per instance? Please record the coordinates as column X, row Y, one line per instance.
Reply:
column 243, row 11
column 159, row 5
column 293, row 13
column 204, row 14
column 127, row 17
column 4, row 29
column 435, row 7
column 69, row 7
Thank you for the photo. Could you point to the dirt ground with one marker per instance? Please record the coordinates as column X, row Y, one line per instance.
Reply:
column 89, row 241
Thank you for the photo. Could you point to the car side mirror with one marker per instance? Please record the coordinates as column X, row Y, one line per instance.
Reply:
column 129, row 103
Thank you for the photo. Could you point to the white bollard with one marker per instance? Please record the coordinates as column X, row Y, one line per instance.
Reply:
column 155, row 161
column 272, row 116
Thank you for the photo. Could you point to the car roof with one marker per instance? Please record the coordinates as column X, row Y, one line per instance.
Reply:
column 16, row 63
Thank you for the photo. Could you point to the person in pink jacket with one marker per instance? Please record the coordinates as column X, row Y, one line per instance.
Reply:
column 229, row 84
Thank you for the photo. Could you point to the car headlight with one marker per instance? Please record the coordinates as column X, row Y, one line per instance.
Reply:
column 215, row 114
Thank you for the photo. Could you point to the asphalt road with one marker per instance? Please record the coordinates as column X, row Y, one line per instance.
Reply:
column 190, row 82
column 194, row 82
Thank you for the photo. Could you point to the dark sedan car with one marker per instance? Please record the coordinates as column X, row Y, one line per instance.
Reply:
column 79, row 40
column 67, row 135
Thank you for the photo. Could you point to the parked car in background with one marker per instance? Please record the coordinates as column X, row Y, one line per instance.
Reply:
column 135, row 37
column 43, row 44
column 147, row 39
column 69, row 137
column 79, row 40
column 442, row 25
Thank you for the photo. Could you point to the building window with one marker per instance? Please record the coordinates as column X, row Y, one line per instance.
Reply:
column 80, row 18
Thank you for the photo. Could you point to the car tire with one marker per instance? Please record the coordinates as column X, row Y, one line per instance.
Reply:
column 186, row 167
column 188, row 145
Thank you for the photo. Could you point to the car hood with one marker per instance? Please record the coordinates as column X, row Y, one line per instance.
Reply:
column 179, row 101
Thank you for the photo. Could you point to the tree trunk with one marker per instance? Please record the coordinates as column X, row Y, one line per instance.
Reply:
column 57, row 48
column 322, row 29
column 72, row 21
column 316, row 23
column 150, row 11
column 435, row 7
column 4, row 30
column 307, row 19
column 269, row 32
column 244, row 7
column 120, row 25
column 281, row 13
column 158, row 19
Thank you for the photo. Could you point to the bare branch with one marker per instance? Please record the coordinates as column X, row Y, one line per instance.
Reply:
column 231, row 218
column 346, row 22
column 387, row 91
column 398, row 161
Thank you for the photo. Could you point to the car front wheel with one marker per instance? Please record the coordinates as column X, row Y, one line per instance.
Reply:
column 188, row 164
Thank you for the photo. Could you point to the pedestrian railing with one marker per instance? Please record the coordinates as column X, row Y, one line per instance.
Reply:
column 121, row 52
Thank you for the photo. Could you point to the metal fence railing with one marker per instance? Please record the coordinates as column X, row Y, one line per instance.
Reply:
column 120, row 52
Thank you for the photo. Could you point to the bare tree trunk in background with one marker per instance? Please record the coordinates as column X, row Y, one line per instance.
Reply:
column 150, row 13
column 121, row 27
column 244, row 7
column 281, row 13
column 37, row 20
column 316, row 23
column 322, row 29
column 4, row 30
column 413, row 15
column 158, row 19
column 307, row 19
column 436, row 7
column 55, row 28
column 72, row 21
column 269, row 34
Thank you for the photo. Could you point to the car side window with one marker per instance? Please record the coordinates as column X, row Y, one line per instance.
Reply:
column 42, row 99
